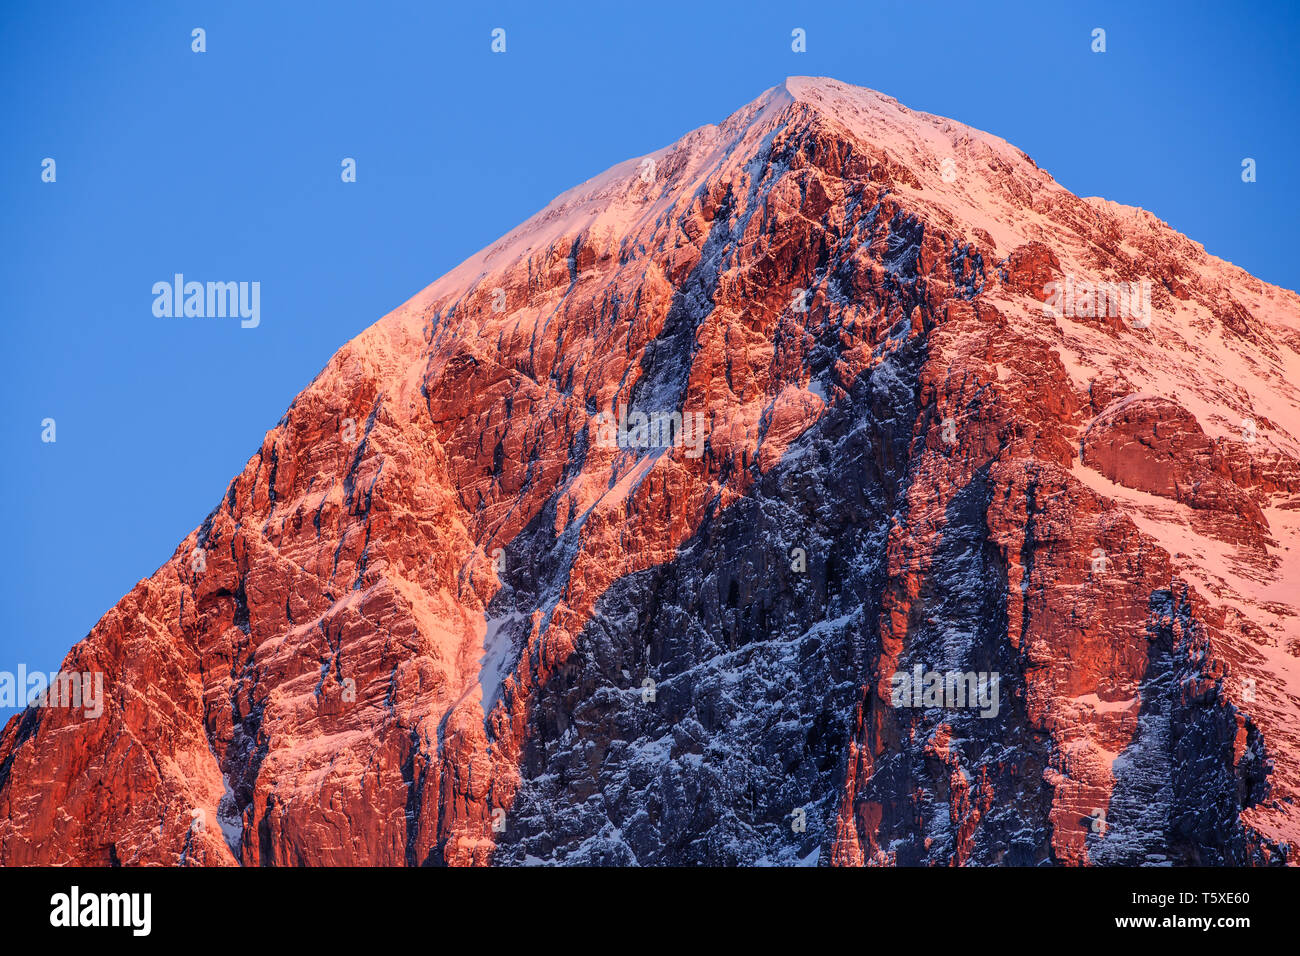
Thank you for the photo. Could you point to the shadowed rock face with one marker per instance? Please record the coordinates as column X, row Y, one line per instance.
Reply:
column 442, row 617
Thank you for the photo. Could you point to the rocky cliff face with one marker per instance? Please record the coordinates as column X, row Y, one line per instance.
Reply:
column 452, row 613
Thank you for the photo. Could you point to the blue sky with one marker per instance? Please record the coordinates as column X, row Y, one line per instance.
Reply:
column 225, row 165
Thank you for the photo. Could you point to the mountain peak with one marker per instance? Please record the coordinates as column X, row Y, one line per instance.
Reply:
column 917, row 146
column 868, row 112
column 613, row 544
column 821, row 89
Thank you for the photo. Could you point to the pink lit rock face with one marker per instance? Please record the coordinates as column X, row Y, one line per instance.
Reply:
column 439, row 619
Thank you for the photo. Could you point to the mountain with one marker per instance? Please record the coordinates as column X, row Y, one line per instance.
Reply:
column 480, row 597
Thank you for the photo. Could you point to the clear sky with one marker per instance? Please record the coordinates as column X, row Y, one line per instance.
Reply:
column 225, row 165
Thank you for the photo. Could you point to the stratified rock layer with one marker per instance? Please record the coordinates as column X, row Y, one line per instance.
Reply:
column 440, row 618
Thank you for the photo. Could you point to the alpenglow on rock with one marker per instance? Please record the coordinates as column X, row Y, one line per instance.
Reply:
column 441, row 617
